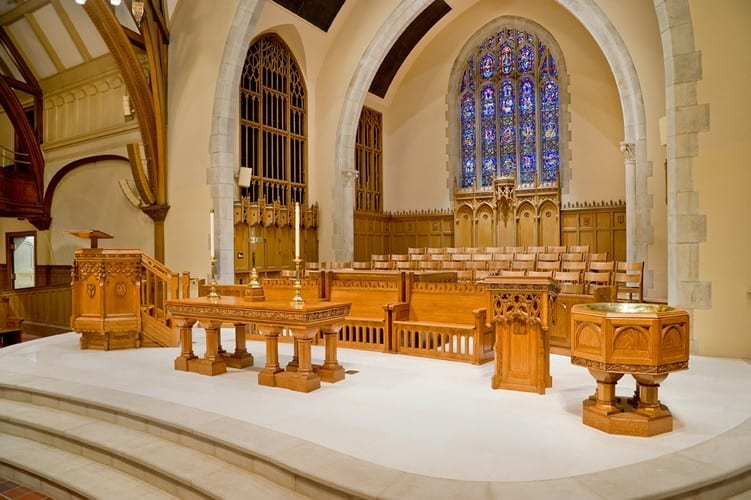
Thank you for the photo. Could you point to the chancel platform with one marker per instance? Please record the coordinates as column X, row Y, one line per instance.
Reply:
column 408, row 427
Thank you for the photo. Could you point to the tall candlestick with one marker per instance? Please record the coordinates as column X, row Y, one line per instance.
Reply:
column 211, row 232
column 297, row 230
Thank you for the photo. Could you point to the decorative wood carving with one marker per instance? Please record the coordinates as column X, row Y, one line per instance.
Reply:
column 106, row 298
column 646, row 340
column 264, row 237
column 518, row 216
column 522, row 310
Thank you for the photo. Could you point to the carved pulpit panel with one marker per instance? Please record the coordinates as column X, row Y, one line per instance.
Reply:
column 106, row 298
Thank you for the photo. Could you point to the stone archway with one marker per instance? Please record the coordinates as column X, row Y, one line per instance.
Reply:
column 638, row 201
column 222, row 143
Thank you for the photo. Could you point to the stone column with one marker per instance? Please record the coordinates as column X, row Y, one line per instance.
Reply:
column 628, row 150
column 344, row 218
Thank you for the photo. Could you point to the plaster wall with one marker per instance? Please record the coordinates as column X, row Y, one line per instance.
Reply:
column 415, row 114
column 722, row 176
column 199, row 32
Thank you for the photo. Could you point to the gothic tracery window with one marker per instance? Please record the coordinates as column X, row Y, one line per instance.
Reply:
column 273, row 123
column 509, row 112
column 369, row 162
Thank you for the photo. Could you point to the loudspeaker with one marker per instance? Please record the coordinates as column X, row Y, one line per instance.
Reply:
column 243, row 179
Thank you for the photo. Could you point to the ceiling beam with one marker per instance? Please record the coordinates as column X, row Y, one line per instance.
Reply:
column 46, row 44
column 19, row 12
column 148, row 96
column 20, row 61
column 72, row 31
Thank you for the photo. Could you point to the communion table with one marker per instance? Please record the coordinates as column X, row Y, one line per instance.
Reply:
column 270, row 318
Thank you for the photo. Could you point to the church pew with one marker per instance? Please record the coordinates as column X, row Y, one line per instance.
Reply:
column 368, row 324
column 444, row 321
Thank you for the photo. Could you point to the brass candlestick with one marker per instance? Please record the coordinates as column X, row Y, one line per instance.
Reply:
column 212, row 291
column 254, row 291
column 297, row 300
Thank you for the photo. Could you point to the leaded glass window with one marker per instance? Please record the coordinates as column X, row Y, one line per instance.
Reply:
column 272, row 123
column 369, row 162
column 508, row 98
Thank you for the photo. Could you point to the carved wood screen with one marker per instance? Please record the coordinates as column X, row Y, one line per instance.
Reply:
column 507, row 215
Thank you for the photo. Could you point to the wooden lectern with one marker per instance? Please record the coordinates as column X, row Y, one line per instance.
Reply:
column 522, row 308
column 91, row 234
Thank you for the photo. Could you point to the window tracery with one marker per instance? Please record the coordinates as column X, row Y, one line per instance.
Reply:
column 509, row 99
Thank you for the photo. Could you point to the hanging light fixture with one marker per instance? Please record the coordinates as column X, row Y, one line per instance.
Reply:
column 112, row 2
column 137, row 8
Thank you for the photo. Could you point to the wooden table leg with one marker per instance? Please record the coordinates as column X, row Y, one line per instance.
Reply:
column 331, row 370
column 185, row 325
column 241, row 358
column 295, row 361
column 304, row 379
column 211, row 363
column 267, row 375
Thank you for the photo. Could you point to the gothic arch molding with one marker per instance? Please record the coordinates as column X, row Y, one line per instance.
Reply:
column 222, row 143
column 596, row 22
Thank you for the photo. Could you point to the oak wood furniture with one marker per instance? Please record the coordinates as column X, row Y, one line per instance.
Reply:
column 106, row 298
column 93, row 235
column 649, row 341
column 521, row 308
column 444, row 320
column 629, row 281
column 270, row 317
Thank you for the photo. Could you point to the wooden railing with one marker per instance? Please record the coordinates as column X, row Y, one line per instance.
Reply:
column 158, row 285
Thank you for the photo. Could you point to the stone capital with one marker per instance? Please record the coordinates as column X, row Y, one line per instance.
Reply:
column 349, row 177
column 628, row 150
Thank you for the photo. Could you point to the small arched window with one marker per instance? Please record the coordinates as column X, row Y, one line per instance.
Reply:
column 509, row 111
column 273, row 123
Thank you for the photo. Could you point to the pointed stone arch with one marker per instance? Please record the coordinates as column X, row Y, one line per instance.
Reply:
column 222, row 143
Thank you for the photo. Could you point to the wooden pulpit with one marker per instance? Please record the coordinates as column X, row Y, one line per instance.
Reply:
column 106, row 298
column 521, row 308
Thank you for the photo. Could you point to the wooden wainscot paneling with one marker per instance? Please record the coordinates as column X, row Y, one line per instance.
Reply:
column 601, row 225
column 44, row 310
column 386, row 233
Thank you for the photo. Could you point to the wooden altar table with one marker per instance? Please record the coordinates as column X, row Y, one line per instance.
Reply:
column 270, row 317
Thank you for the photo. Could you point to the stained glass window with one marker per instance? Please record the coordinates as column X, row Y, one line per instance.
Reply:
column 510, row 123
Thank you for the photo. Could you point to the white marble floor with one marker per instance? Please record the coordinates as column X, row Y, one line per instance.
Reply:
column 433, row 418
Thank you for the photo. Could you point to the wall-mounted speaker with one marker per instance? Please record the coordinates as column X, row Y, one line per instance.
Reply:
column 243, row 179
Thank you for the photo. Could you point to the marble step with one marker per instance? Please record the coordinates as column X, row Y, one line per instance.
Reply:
column 61, row 474
column 174, row 468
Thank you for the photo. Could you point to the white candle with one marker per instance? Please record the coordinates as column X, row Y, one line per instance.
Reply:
column 297, row 230
column 211, row 232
